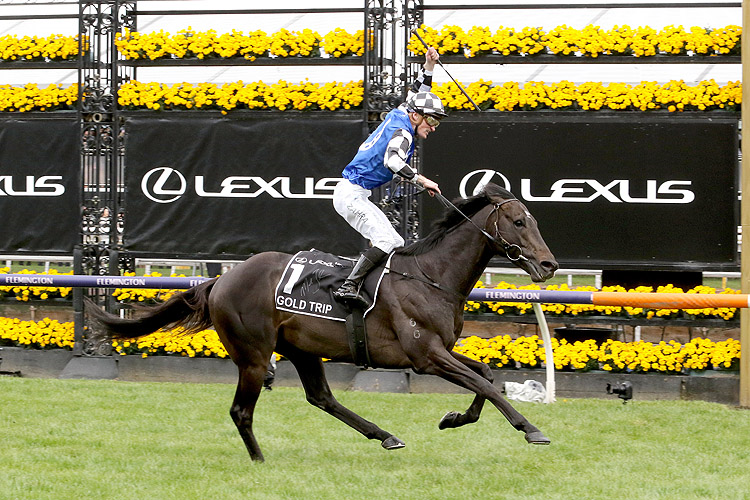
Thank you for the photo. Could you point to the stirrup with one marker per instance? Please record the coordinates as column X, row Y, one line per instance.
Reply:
column 349, row 292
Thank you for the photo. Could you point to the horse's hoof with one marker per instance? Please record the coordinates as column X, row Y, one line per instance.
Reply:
column 449, row 420
column 537, row 437
column 392, row 443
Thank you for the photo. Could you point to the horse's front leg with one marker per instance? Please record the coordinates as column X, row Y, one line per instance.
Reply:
column 436, row 360
column 454, row 419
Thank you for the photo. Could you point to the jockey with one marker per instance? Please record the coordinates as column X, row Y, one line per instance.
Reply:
column 387, row 151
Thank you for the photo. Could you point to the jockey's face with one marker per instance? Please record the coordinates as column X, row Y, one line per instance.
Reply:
column 421, row 127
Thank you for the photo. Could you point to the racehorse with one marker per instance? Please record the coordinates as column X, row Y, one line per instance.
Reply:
column 415, row 322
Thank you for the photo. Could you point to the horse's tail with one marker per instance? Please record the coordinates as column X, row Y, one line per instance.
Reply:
column 188, row 309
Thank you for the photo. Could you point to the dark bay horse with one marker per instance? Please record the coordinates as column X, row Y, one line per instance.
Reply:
column 414, row 323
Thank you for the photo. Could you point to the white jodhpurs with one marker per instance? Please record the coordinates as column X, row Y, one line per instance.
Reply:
column 352, row 202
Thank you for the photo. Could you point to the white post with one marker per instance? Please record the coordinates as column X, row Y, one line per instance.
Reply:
column 550, row 363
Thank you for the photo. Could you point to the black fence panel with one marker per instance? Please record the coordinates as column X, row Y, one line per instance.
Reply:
column 39, row 185
column 238, row 186
column 617, row 192
column 612, row 191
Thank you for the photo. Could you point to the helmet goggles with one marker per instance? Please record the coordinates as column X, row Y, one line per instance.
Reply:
column 432, row 121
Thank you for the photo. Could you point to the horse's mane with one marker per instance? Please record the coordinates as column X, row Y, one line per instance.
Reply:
column 469, row 206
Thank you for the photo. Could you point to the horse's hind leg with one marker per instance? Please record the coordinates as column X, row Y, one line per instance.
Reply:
column 312, row 375
column 454, row 419
column 248, row 389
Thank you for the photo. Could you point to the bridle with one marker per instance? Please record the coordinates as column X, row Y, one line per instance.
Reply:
column 512, row 250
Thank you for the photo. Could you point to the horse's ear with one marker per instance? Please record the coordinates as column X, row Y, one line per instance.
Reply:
column 492, row 190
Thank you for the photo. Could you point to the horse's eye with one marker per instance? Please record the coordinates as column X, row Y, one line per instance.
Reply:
column 519, row 223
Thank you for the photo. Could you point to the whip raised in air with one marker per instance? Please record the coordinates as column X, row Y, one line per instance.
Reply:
column 476, row 106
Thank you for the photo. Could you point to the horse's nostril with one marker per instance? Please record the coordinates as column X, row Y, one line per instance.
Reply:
column 550, row 266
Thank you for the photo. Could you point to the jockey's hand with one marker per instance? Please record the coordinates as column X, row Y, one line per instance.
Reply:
column 430, row 58
column 431, row 186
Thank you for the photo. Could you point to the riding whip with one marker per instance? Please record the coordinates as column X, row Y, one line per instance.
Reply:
column 415, row 33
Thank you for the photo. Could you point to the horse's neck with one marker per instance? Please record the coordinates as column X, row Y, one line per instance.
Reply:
column 459, row 260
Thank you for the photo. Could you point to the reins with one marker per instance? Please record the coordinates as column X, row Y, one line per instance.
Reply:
column 429, row 281
column 512, row 251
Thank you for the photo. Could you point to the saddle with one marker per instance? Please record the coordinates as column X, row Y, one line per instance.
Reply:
column 307, row 285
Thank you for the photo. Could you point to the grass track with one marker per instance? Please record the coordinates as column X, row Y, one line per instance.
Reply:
column 84, row 440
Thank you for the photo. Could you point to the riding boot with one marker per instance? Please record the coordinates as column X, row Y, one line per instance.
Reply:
column 349, row 291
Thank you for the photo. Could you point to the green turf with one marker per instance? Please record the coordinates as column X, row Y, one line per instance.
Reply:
column 98, row 440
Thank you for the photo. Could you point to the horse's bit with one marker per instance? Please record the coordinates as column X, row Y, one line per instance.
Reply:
column 512, row 250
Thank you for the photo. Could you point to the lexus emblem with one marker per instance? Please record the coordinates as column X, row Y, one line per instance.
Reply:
column 479, row 179
column 155, row 181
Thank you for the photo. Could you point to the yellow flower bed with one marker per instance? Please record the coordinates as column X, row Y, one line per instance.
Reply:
column 613, row 356
column 499, row 352
column 31, row 98
column 33, row 48
column 591, row 41
column 205, row 344
column 673, row 96
column 208, row 44
column 239, row 95
column 44, row 334
column 48, row 334
column 340, row 43
column 725, row 313
column 26, row 293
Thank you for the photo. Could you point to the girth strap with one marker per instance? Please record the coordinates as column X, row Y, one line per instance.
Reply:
column 355, row 327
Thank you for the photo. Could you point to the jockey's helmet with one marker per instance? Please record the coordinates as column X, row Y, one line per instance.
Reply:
column 426, row 103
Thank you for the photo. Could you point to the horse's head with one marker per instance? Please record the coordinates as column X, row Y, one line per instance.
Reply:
column 515, row 234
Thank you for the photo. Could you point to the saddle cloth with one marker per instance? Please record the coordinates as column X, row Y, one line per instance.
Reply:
column 309, row 280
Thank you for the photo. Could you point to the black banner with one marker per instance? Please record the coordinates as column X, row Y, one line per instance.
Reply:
column 607, row 193
column 238, row 186
column 39, row 185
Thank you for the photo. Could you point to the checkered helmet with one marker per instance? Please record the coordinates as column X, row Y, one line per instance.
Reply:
column 426, row 103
